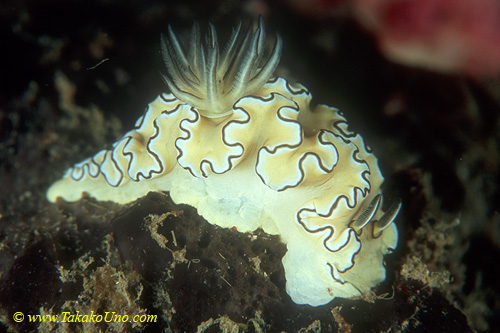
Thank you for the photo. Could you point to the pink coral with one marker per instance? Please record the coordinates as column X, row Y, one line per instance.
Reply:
column 457, row 36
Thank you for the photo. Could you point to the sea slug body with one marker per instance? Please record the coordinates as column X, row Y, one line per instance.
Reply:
column 247, row 151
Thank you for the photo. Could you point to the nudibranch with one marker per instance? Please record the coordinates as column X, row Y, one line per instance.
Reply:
column 247, row 151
